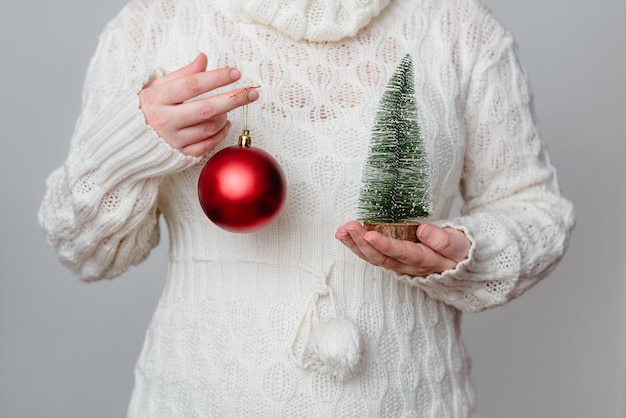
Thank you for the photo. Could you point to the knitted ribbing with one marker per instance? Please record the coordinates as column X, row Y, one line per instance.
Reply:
column 220, row 340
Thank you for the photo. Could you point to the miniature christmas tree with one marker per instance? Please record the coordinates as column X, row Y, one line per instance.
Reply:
column 396, row 179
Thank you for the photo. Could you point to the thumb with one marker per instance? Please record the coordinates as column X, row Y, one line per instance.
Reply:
column 198, row 65
column 449, row 242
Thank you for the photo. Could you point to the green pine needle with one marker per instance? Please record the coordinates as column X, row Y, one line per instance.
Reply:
column 397, row 181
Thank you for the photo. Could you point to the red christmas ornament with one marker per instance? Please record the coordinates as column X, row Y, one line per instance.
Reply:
column 241, row 189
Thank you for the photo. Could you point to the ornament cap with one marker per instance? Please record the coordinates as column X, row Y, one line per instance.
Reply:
column 245, row 140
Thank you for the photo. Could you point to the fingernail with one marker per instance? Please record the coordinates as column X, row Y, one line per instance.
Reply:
column 425, row 232
column 253, row 94
column 235, row 74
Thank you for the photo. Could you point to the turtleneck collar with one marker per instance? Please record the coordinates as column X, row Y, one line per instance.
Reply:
column 311, row 20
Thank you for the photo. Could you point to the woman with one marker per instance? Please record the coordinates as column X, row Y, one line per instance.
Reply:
column 288, row 320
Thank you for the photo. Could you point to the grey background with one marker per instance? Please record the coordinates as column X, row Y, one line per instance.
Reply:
column 67, row 349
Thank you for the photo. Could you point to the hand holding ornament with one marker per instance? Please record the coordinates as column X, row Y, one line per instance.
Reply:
column 194, row 127
column 241, row 188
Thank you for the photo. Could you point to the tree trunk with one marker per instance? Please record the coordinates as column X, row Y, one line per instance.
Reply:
column 404, row 231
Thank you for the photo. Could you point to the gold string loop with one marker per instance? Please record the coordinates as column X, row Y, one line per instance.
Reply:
column 245, row 139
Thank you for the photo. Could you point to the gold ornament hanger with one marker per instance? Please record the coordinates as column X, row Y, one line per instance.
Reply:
column 245, row 140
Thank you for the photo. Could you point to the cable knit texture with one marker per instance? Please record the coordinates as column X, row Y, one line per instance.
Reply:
column 313, row 20
column 236, row 310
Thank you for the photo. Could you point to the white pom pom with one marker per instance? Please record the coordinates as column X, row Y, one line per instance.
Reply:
column 334, row 347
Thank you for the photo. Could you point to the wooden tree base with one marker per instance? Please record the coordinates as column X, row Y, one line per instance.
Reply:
column 404, row 231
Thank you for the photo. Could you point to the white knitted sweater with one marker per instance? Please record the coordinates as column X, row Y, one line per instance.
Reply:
column 228, row 336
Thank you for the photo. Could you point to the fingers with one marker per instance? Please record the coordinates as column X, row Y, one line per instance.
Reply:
column 345, row 235
column 185, row 124
column 198, row 111
column 198, row 65
column 193, row 126
column 403, row 257
column 200, row 148
column 449, row 242
column 375, row 248
column 200, row 132
column 187, row 86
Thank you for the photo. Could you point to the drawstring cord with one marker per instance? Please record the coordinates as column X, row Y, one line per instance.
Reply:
column 331, row 346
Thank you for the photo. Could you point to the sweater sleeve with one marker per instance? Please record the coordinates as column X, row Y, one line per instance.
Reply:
column 99, row 211
column 514, row 215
